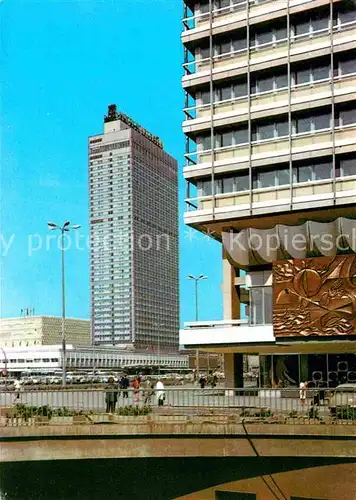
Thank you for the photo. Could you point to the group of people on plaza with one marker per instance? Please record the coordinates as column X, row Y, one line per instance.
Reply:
column 147, row 390
column 211, row 380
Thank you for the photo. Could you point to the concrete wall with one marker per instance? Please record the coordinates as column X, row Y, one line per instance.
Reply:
column 331, row 482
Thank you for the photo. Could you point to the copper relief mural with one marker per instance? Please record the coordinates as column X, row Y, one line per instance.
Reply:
column 315, row 296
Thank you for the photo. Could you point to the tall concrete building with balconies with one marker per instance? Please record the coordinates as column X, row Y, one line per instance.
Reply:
column 134, row 237
column 270, row 125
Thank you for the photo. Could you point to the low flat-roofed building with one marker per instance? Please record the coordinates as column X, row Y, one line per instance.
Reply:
column 31, row 331
column 48, row 358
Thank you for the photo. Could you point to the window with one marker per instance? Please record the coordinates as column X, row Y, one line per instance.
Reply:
column 322, row 121
column 283, row 177
column 272, row 130
column 319, row 21
column 270, row 82
column 263, row 36
column 240, row 89
column 321, row 73
column 204, row 52
column 228, row 185
column 322, row 171
column 265, row 84
column 347, row 167
column 303, row 174
column 204, row 188
column 302, row 125
column 268, row 304
column 241, row 135
column 220, row 4
column 348, row 65
column 282, row 128
column 281, row 81
column 239, row 44
column 224, row 47
column 347, row 116
column 311, row 22
column 242, row 182
column 205, row 97
column 224, row 93
column 266, row 179
column 204, row 7
column 266, row 131
column 261, row 305
column 256, row 306
column 302, row 76
column 302, row 27
column 347, row 14
column 203, row 143
column 313, row 172
column 280, row 33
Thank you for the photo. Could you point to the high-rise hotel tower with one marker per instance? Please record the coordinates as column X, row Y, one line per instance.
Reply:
column 270, row 124
column 134, row 237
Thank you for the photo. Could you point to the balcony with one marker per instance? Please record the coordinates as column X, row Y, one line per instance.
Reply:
column 306, row 145
column 264, row 56
column 230, row 18
column 273, row 102
column 304, row 195
column 219, row 333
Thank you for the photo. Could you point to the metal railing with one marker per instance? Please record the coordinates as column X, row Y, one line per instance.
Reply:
column 284, row 405
column 194, row 66
column 192, row 112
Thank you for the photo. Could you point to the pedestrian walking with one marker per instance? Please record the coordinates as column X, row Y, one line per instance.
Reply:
column 303, row 393
column 111, row 394
column 161, row 396
column 18, row 387
column 202, row 382
column 136, row 389
column 212, row 379
column 124, row 385
column 148, row 393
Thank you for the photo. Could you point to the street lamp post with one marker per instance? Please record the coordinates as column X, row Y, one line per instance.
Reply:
column 196, row 281
column 63, row 229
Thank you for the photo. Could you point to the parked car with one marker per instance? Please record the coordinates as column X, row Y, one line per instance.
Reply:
column 343, row 397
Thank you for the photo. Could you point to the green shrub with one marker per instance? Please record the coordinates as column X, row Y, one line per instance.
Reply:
column 346, row 413
column 314, row 413
column 134, row 410
column 26, row 412
column 264, row 414
column 63, row 412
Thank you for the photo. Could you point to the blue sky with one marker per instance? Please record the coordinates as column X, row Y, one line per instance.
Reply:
column 63, row 62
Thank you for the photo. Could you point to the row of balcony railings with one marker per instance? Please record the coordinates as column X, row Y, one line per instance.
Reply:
column 224, row 13
column 271, row 145
column 266, row 197
column 196, row 20
column 261, row 313
column 276, row 97
column 269, row 50
column 284, row 405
